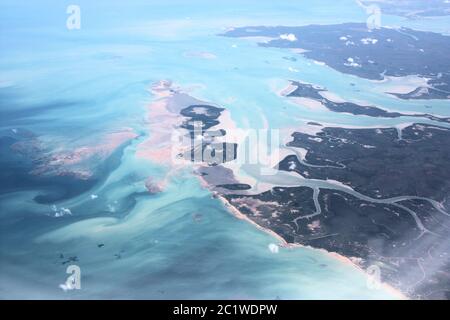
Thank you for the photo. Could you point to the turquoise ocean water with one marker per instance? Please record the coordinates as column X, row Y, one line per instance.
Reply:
column 71, row 87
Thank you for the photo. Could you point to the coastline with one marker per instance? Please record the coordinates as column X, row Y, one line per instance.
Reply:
column 163, row 92
column 343, row 259
column 283, row 243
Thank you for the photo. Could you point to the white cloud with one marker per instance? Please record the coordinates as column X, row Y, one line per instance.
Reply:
column 351, row 63
column 289, row 37
column 67, row 286
column 369, row 40
column 292, row 165
column 61, row 212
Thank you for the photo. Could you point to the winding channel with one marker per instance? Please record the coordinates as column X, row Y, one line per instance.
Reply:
column 292, row 179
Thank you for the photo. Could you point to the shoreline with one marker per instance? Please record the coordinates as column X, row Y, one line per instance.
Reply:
column 164, row 93
column 284, row 244
column 313, row 104
column 343, row 259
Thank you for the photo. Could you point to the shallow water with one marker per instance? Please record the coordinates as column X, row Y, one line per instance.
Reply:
column 71, row 87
